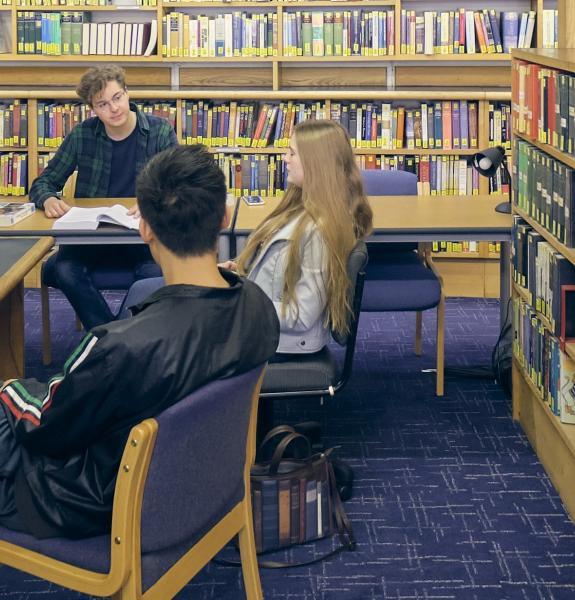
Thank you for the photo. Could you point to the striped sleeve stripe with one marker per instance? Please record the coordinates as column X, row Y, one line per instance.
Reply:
column 22, row 403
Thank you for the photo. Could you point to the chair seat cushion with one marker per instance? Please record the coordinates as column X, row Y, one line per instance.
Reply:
column 303, row 372
column 400, row 282
column 90, row 553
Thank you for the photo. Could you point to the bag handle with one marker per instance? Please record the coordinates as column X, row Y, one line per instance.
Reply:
column 282, row 447
column 273, row 432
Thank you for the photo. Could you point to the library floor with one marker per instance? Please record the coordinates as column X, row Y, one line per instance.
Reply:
column 450, row 501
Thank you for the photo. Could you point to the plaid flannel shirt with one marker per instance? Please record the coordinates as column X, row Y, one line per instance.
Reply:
column 88, row 149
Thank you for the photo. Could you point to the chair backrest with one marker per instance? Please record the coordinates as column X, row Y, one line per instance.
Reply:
column 196, row 474
column 356, row 265
column 69, row 190
column 389, row 183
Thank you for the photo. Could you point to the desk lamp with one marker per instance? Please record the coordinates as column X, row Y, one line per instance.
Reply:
column 486, row 162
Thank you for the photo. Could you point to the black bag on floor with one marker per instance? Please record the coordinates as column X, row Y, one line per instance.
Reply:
column 295, row 497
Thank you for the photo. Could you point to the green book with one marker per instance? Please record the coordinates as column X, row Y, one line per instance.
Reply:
column 76, row 32
column 337, row 34
column 328, row 34
column 66, row 29
column 306, row 31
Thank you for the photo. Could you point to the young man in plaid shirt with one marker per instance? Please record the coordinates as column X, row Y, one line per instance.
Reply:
column 108, row 151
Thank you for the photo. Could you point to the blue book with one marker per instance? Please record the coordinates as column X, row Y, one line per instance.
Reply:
column 495, row 31
column 270, row 515
column 509, row 30
column 438, row 124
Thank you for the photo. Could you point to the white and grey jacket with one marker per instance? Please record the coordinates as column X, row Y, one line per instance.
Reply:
column 302, row 328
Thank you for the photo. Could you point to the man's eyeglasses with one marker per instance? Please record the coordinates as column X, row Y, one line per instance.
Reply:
column 115, row 100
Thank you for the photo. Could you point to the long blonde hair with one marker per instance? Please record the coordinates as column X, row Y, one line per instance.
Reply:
column 332, row 199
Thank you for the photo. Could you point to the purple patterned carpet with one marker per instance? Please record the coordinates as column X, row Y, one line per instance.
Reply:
column 450, row 501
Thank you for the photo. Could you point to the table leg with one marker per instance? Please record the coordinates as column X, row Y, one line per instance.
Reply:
column 505, row 281
column 12, row 334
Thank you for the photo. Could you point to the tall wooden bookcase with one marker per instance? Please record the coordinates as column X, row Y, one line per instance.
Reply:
column 552, row 440
column 397, row 78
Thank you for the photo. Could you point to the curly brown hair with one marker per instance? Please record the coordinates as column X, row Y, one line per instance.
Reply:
column 95, row 80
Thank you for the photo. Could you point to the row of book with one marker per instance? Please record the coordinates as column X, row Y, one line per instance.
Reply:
column 447, row 125
column 290, row 512
column 500, row 124
column 236, row 34
column 13, row 174
column 119, row 3
column 71, row 33
column 464, row 31
column 55, row 119
column 542, row 271
column 545, row 189
column 538, row 352
column 544, row 105
column 13, row 124
column 340, row 33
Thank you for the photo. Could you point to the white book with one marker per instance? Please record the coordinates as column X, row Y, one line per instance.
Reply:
column 85, row 38
column 89, row 218
column 529, row 30
column 93, row 38
column 429, row 28
column 228, row 34
column 108, row 39
column 13, row 212
column 137, row 30
column 121, row 38
column 153, row 38
column 101, row 44
column 115, row 36
column 469, row 32
column 128, row 39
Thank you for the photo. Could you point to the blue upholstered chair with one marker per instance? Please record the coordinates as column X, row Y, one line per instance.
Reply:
column 182, row 493
column 401, row 277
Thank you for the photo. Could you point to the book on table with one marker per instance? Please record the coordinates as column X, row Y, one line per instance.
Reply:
column 90, row 218
column 13, row 212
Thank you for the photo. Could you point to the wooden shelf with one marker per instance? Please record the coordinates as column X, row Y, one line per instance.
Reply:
column 84, row 8
column 563, row 59
column 569, row 253
column 13, row 148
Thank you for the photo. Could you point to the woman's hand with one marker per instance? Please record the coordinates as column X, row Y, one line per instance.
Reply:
column 230, row 265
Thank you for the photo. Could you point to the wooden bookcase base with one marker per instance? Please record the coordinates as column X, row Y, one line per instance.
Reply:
column 553, row 441
column 469, row 278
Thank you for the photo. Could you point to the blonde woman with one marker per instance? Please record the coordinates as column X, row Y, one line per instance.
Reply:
column 298, row 255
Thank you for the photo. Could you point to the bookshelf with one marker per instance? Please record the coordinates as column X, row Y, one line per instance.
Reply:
column 541, row 383
column 276, row 76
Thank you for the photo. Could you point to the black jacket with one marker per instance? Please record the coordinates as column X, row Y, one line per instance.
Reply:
column 73, row 430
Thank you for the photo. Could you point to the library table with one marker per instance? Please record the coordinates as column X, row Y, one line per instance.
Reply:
column 18, row 256
column 38, row 224
column 422, row 219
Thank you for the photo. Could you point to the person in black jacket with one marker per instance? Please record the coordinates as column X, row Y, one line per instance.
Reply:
column 61, row 442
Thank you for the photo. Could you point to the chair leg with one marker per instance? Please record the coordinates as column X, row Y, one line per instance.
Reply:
column 418, row 328
column 440, row 345
column 248, row 555
column 45, row 307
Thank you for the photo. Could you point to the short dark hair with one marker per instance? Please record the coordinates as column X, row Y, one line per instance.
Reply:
column 97, row 78
column 182, row 196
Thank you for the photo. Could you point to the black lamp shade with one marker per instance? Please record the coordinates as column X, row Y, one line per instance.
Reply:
column 486, row 162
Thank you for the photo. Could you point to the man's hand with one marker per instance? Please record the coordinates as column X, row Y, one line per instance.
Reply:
column 134, row 212
column 55, row 207
column 229, row 264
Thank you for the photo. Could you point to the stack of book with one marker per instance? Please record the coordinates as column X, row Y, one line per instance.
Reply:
column 13, row 124
column 13, row 174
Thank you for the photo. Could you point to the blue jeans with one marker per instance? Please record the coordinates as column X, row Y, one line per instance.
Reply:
column 81, row 271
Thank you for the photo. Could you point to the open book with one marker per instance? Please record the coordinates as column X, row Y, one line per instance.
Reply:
column 90, row 218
